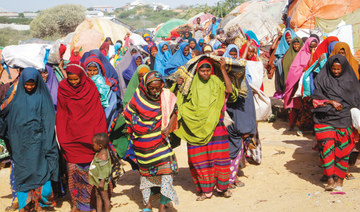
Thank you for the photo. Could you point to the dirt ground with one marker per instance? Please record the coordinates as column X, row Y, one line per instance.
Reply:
column 287, row 180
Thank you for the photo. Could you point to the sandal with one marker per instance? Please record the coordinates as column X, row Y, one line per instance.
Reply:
column 203, row 197
column 239, row 184
column 226, row 194
column 329, row 187
column 232, row 186
column 349, row 177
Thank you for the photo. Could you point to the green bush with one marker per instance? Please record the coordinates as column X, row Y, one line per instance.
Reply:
column 12, row 37
column 20, row 20
column 60, row 20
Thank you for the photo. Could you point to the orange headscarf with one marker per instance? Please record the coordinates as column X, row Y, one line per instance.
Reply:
column 350, row 58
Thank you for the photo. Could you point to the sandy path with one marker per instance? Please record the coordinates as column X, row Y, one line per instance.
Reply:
column 283, row 182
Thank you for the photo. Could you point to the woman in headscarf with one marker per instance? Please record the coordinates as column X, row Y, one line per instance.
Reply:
column 187, row 35
column 75, row 55
column 232, row 51
column 201, row 126
column 119, row 135
column 162, row 58
column 193, row 45
column 323, row 48
column 295, row 46
column 180, row 57
column 118, row 54
column 276, row 60
column 153, row 53
column 130, row 70
column 336, row 92
column 30, row 122
column 207, row 49
column 96, row 71
column 344, row 49
column 51, row 81
column 249, row 51
column 104, row 48
column 149, row 118
column 298, row 66
column 79, row 117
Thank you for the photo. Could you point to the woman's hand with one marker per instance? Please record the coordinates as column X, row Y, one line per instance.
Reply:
column 335, row 104
column 222, row 64
column 166, row 131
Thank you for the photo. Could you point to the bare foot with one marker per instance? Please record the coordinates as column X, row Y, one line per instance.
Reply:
column 331, row 184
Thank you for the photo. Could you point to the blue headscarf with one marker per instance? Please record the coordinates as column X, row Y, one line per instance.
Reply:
column 162, row 58
column 252, row 36
column 197, row 47
column 283, row 45
column 117, row 46
column 177, row 60
column 228, row 49
column 130, row 70
column 30, row 123
column 214, row 27
column 331, row 47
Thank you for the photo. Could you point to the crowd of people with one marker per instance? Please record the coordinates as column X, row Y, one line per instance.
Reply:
column 68, row 126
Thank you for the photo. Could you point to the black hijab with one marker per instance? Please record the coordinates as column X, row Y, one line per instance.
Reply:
column 343, row 89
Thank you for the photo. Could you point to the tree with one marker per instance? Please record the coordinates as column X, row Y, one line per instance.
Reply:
column 59, row 20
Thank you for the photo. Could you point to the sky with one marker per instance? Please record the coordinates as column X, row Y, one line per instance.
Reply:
column 35, row 5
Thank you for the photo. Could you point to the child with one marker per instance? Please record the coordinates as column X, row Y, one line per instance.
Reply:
column 100, row 170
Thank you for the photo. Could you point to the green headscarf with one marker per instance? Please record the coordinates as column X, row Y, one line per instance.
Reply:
column 199, row 111
column 133, row 84
column 290, row 56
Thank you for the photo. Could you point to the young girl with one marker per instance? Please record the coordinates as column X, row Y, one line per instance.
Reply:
column 100, row 171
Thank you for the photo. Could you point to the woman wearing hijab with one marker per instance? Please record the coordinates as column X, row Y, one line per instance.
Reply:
column 104, row 48
column 118, row 54
column 298, row 66
column 75, row 55
column 119, row 135
column 323, row 48
column 180, row 57
column 295, row 46
column 96, row 71
column 276, row 60
column 130, row 70
column 187, row 35
column 335, row 94
column 201, row 125
column 51, row 81
column 194, row 45
column 162, row 58
column 232, row 51
column 153, row 53
column 344, row 49
column 149, row 125
column 79, row 117
column 30, row 123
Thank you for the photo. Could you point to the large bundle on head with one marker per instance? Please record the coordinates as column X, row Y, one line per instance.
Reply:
column 91, row 33
column 334, row 17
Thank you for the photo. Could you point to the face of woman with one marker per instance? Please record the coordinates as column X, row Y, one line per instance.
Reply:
column 187, row 34
column 138, row 61
column 154, row 88
column 74, row 80
column 342, row 52
column 92, row 71
column 250, row 53
column 288, row 39
column 44, row 75
column 165, row 48
column 313, row 46
column 296, row 47
column 336, row 69
column 205, row 73
column 186, row 50
column 29, row 86
column 233, row 55
column 192, row 44
column 154, row 52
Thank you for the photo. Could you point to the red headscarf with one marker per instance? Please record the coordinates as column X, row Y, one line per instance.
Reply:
column 243, row 48
column 62, row 50
column 75, row 58
column 208, row 61
column 104, row 48
column 322, row 48
column 79, row 116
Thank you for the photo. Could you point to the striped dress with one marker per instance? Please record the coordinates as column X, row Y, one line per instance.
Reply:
column 335, row 146
column 210, row 163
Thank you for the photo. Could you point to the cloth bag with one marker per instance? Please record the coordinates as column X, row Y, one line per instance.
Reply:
column 262, row 104
column 355, row 116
